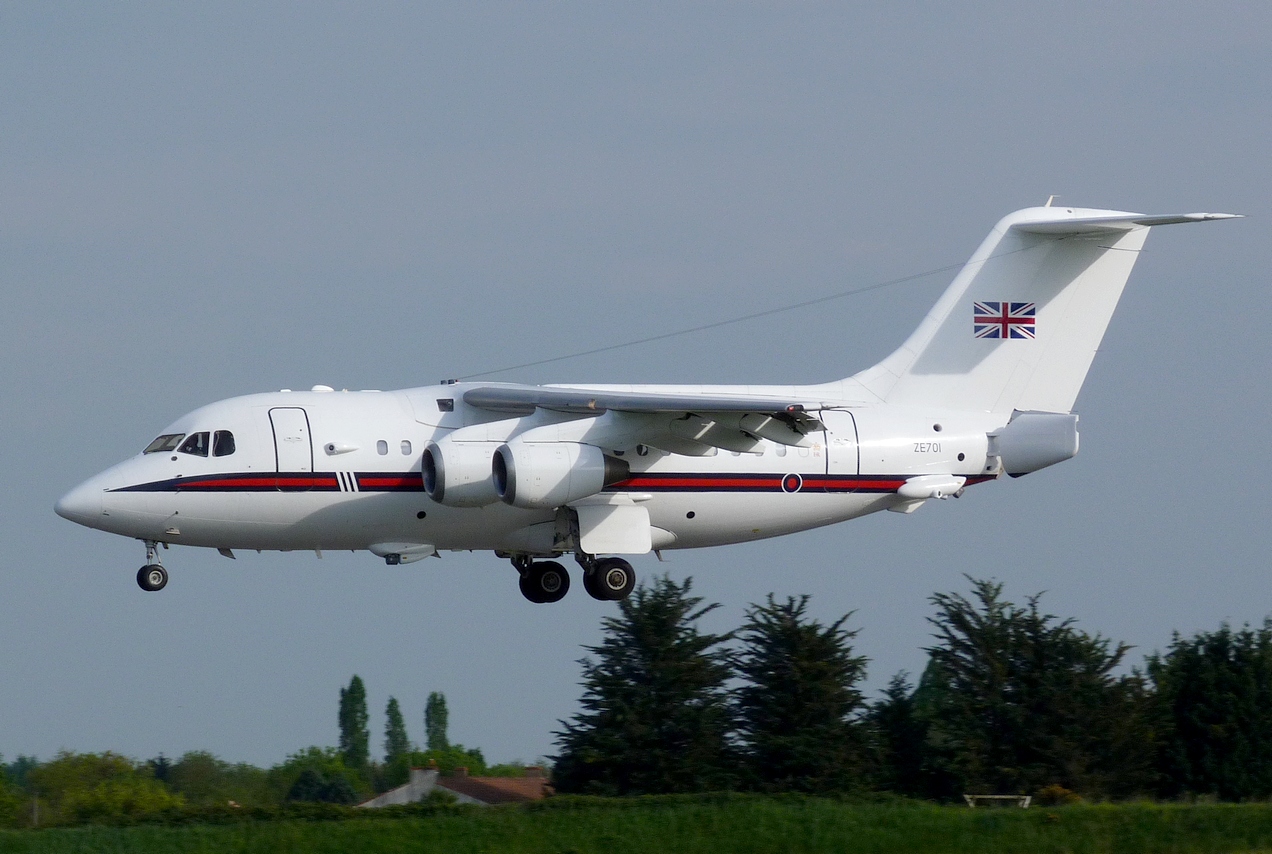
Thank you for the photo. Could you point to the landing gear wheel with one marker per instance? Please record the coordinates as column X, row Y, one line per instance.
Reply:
column 152, row 577
column 545, row 581
column 610, row 580
column 589, row 584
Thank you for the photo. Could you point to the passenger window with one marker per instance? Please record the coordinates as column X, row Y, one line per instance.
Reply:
column 196, row 445
column 406, row 447
column 164, row 443
column 222, row 443
column 381, row 447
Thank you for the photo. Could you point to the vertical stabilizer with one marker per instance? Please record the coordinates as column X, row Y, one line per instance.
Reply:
column 1018, row 327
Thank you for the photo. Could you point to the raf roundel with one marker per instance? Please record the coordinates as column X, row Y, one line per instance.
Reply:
column 792, row 483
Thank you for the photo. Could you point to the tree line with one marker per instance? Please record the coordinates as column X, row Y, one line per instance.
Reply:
column 1012, row 700
column 74, row 788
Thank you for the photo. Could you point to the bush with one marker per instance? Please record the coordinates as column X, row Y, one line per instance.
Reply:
column 82, row 787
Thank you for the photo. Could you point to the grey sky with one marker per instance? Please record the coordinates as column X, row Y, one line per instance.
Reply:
column 199, row 201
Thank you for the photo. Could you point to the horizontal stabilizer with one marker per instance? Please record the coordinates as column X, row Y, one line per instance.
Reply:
column 1116, row 222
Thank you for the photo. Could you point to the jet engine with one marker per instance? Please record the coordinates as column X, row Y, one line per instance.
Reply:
column 458, row 473
column 544, row 475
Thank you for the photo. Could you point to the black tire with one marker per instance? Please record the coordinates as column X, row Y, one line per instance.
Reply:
column 613, row 578
column 545, row 581
column 527, row 588
column 152, row 577
column 589, row 584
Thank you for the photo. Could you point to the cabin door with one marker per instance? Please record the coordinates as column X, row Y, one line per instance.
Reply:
column 841, row 442
column 292, row 448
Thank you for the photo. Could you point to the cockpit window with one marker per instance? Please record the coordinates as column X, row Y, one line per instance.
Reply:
column 195, row 444
column 222, row 443
column 164, row 443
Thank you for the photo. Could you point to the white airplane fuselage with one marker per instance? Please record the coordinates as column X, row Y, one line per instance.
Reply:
column 355, row 480
column 984, row 386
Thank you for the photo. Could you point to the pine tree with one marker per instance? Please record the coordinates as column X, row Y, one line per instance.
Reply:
column 395, row 741
column 898, row 734
column 435, row 721
column 655, row 707
column 1016, row 700
column 797, row 712
column 1214, row 692
column 355, row 737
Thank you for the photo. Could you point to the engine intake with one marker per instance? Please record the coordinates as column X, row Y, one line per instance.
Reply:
column 543, row 475
column 458, row 474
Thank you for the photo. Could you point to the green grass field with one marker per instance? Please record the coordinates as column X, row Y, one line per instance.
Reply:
column 709, row 824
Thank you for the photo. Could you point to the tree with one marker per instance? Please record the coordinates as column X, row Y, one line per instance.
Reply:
column 317, row 774
column 655, row 707
column 1016, row 700
column 1214, row 693
column 205, row 780
column 898, row 734
column 355, row 738
column 79, row 787
column 395, row 741
column 797, row 712
column 314, row 785
column 435, row 720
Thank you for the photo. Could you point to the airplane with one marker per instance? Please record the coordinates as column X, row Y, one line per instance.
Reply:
column 983, row 388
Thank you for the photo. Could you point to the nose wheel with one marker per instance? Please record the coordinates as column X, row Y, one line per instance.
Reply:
column 152, row 576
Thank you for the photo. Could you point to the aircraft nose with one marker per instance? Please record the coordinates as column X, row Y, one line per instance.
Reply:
column 83, row 504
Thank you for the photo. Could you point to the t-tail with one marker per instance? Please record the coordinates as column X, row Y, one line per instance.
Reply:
column 1018, row 327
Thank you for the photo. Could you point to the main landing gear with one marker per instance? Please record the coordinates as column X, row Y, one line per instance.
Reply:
column 152, row 576
column 607, row 579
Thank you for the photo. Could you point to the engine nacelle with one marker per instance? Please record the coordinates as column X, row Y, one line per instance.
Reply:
column 543, row 475
column 1035, row 440
column 458, row 474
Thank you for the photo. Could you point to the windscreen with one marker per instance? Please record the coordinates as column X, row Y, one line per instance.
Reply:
column 164, row 443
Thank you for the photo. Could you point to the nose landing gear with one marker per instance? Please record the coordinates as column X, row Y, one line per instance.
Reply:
column 152, row 576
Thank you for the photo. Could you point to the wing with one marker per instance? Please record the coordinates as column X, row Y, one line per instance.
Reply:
column 692, row 424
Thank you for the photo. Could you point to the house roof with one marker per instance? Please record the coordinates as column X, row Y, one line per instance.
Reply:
column 497, row 790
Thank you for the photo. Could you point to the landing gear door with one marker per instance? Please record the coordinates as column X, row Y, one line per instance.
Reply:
column 842, row 456
column 292, row 447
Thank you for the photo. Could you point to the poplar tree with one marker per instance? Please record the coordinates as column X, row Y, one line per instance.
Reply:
column 655, row 715
column 355, row 737
column 396, row 743
column 435, row 720
column 798, row 710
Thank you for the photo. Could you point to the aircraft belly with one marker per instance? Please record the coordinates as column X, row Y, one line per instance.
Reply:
column 724, row 518
column 335, row 521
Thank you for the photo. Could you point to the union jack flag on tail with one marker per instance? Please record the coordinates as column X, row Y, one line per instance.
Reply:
column 1003, row 319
